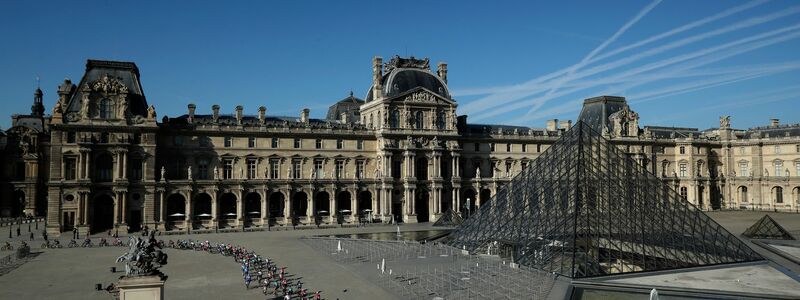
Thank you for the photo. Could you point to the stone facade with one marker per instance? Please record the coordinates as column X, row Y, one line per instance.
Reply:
column 101, row 160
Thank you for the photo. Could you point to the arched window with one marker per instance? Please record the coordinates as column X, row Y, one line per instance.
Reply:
column 394, row 119
column 778, row 194
column 419, row 120
column 440, row 120
column 106, row 109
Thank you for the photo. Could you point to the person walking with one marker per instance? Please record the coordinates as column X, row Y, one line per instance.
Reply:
column 44, row 235
column 31, row 234
column 18, row 231
column 74, row 233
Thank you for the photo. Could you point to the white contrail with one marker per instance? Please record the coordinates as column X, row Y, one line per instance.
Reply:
column 602, row 46
column 534, row 86
column 733, row 103
column 750, row 44
column 744, row 24
column 692, row 25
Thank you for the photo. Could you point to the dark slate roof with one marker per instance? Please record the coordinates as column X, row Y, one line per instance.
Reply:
column 596, row 110
column 401, row 80
column 350, row 105
column 663, row 132
column 127, row 72
column 30, row 121
column 774, row 130
column 478, row 129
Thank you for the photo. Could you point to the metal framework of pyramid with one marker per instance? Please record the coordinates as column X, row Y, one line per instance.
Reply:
column 584, row 209
column 767, row 228
column 449, row 218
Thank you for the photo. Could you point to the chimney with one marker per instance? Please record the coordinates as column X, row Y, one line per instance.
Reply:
column 552, row 125
column 304, row 115
column 567, row 124
column 775, row 122
column 262, row 114
column 377, row 77
column 441, row 70
column 215, row 110
column 192, row 107
column 239, row 114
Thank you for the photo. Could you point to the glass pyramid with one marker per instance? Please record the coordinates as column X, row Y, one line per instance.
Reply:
column 449, row 218
column 767, row 228
column 584, row 209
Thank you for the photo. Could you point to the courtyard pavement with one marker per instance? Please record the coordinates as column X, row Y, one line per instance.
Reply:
column 72, row 273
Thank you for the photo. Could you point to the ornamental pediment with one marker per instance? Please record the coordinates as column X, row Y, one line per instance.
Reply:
column 422, row 96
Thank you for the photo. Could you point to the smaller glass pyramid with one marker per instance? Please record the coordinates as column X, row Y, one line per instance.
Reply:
column 767, row 228
column 449, row 218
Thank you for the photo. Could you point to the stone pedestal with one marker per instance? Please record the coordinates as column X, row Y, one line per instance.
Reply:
column 410, row 218
column 141, row 288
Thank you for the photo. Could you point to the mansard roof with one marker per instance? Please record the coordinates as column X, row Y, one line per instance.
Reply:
column 250, row 120
column 349, row 105
column 405, row 74
column 126, row 72
column 596, row 111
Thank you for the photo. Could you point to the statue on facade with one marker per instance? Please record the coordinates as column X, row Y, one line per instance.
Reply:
column 144, row 257
column 477, row 172
column 766, row 172
column 163, row 172
column 151, row 112
column 85, row 107
column 58, row 108
column 216, row 173
column 189, row 173
column 123, row 108
column 724, row 122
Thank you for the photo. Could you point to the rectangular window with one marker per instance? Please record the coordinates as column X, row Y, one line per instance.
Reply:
column 797, row 148
column 777, row 149
column 797, row 169
column 251, row 168
column 274, row 168
column 538, row 148
column 508, row 169
column 227, row 169
column 339, row 144
column 70, row 168
column 508, row 147
column 360, row 169
column 397, row 167
column 682, row 170
column 297, row 143
column 778, row 168
column 491, row 147
column 137, row 139
column 319, row 172
column 274, row 143
column 524, row 148
column 360, row 144
column 682, row 150
column 136, row 169
column 70, row 138
column 228, row 142
column 477, row 147
column 251, row 142
column 318, row 144
column 743, row 169
column 296, row 171
column 339, row 169
column 741, row 150
column 202, row 169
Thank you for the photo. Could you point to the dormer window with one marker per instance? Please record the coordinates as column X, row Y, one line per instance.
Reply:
column 106, row 109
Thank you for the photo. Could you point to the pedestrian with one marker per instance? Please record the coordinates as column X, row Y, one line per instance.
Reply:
column 31, row 235
column 18, row 231
column 74, row 233
column 44, row 234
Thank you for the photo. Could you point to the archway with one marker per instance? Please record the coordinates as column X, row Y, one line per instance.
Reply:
column 446, row 201
column 176, row 210
column 102, row 213
column 227, row 209
column 777, row 195
column 364, row 201
column 299, row 204
column 276, row 203
column 18, row 203
column 421, row 206
column 322, row 203
column 343, row 207
column 796, row 195
column 422, row 169
column 252, row 206
column 469, row 202
column 202, row 209
column 743, row 197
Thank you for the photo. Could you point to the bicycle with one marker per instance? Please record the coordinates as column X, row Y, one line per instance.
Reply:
column 72, row 244
column 7, row 247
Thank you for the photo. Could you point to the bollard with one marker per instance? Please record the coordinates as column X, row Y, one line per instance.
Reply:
column 98, row 286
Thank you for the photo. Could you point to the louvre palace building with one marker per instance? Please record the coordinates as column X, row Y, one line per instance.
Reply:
column 104, row 160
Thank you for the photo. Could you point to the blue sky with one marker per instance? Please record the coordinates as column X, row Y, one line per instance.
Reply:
column 681, row 63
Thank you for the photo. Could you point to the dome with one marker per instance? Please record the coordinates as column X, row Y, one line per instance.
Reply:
column 401, row 80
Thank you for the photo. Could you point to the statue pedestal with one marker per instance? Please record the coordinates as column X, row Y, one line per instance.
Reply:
column 141, row 288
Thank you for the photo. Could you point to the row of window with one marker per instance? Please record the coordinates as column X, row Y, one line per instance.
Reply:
column 252, row 142
column 509, row 147
column 103, row 169
column 418, row 120
column 780, row 170
column 274, row 171
column 777, row 193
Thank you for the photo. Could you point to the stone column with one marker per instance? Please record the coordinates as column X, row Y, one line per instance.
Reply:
column 456, row 200
column 162, row 209
column 84, row 208
column 124, row 208
column 239, row 210
column 264, row 203
column 116, row 207
column 310, row 207
column 188, row 213
column 214, row 204
column 125, row 164
column 287, row 203
column 354, row 205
